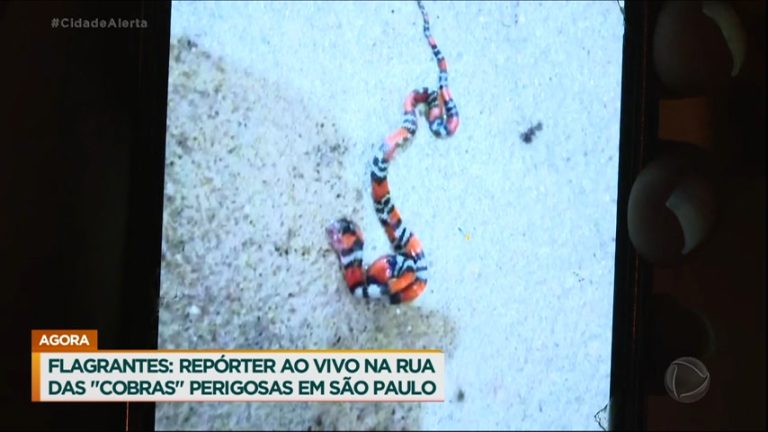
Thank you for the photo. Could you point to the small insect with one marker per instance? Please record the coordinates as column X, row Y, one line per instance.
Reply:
column 530, row 133
column 466, row 235
column 460, row 396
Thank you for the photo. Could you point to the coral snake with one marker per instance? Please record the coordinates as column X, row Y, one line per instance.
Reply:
column 400, row 277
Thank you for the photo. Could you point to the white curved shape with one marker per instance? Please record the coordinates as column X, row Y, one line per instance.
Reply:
column 731, row 27
column 693, row 203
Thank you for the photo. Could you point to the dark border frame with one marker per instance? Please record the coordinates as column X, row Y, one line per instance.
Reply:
column 145, row 201
column 639, row 122
column 81, row 174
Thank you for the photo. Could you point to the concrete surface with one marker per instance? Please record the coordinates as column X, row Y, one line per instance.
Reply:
column 274, row 112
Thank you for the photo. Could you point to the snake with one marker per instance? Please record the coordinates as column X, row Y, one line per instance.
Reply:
column 399, row 277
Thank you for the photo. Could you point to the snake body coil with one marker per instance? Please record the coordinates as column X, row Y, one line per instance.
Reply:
column 402, row 276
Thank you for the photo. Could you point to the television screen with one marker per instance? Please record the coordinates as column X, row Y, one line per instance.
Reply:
column 397, row 175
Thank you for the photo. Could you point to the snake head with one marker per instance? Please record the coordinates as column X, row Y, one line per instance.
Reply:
column 337, row 230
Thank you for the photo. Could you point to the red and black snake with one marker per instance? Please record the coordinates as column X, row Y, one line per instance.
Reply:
column 402, row 276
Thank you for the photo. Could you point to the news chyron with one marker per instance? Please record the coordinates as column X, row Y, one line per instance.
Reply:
column 68, row 366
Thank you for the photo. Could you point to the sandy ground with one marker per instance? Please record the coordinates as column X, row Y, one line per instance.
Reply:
column 274, row 112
